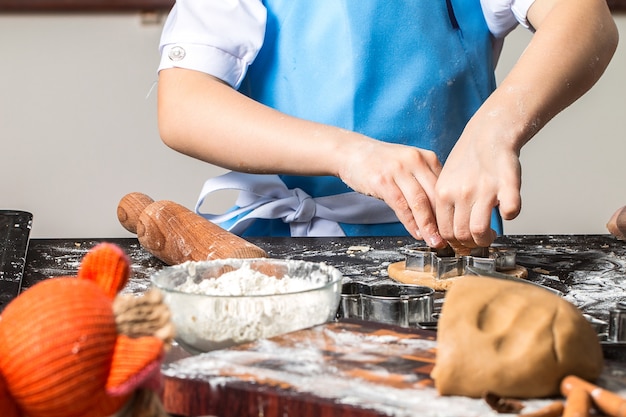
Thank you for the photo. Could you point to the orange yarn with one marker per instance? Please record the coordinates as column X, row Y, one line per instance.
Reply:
column 8, row 408
column 60, row 353
column 107, row 265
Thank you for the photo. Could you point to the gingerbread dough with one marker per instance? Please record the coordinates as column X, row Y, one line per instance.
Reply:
column 398, row 272
column 511, row 339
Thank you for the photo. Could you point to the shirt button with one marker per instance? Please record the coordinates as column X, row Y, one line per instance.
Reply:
column 176, row 53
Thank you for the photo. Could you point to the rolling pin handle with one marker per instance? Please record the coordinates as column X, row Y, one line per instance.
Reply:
column 130, row 208
column 175, row 234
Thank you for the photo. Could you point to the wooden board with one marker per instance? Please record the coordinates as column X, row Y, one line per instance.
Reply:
column 355, row 369
column 398, row 272
column 302, row 371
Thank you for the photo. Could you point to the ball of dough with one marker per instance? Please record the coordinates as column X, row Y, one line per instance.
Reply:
column 511, row 339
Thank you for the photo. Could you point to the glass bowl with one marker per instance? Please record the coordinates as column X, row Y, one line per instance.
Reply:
column 221, row 303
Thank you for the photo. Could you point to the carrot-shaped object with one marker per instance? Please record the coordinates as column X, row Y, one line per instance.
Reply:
column 606, row 401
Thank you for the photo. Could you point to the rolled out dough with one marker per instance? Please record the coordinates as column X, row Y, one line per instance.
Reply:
column 398, row 272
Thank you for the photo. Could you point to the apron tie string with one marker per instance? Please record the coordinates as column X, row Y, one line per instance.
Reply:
column 267, row 197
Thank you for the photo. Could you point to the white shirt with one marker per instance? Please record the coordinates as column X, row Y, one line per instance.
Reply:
column 222, row 37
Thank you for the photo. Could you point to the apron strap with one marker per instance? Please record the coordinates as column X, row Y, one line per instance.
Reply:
column 267, row 197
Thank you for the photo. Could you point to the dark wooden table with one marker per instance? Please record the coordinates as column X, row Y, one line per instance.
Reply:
column 298, row 374
column 589, row 269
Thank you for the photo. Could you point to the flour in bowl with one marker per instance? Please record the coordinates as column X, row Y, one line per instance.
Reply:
column 247, row 281
column 245, row 305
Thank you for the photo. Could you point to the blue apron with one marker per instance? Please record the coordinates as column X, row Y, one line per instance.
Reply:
column 411, row 72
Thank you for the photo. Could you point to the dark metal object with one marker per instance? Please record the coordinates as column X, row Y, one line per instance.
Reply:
column 446, row 264
column 617, row 322
column 15, row 228
column 351, row 306
column 399, row 305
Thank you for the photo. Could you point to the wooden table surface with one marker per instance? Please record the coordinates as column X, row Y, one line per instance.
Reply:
column 303, row 374
column 588, row 269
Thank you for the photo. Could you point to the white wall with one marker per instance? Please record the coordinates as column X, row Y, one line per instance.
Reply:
column 78, row 133
column 76, row 128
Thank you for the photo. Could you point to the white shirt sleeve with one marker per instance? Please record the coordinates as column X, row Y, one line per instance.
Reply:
column 222, row 38
column 503, row 15
column 217, row 37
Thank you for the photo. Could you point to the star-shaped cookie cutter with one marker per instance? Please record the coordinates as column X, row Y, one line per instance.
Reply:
column 444, row 263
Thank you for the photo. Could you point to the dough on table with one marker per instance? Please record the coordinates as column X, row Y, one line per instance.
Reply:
column 511, row 339
column 398, row 272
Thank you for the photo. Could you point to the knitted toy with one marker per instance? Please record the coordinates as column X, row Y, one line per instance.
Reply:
column 73, row 347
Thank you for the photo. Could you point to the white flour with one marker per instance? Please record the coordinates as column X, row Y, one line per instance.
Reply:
column 249, row 305
column 246, row 281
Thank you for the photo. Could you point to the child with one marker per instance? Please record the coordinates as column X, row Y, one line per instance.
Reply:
column 371, row 117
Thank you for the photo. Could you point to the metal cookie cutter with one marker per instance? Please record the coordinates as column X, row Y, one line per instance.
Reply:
column 400, row 305
column 612, row 335
column 617, row 323
column 443, row 263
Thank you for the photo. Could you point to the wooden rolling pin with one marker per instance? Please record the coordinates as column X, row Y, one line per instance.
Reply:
column 175, row 234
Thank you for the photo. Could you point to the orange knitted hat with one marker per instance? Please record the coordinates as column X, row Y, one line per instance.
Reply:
column 60, row 352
